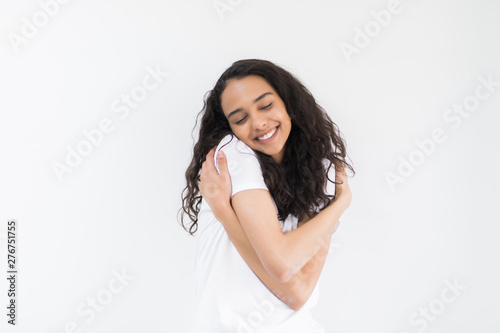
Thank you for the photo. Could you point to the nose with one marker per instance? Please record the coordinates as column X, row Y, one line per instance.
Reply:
column 259, row 122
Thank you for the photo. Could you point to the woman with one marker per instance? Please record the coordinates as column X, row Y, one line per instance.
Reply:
column 256, row 271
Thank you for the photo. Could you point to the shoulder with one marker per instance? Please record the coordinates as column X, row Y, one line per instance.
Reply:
column 242, row 164
column 230, row 143
column 238, row 154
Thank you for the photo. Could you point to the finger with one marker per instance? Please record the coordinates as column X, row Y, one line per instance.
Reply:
column 343, row 171
column 203, row 169
column 222, row 161
column 341, row 174
column 210, row 159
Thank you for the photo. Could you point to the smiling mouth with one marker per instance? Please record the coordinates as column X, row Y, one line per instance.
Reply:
column 268, row 134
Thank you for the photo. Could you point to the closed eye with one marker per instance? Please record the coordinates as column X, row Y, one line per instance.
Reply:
column 243, row 119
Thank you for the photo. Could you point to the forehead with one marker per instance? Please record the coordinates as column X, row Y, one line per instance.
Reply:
column 242, row 92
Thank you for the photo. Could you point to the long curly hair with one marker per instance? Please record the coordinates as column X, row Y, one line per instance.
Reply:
column 297, row 185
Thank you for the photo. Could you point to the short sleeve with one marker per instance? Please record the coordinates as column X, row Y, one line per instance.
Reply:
column 243, row 165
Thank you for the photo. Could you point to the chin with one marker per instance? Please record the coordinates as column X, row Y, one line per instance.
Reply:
column 272, row 152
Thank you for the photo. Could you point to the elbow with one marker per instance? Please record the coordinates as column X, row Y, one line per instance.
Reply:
column 297, row 294
column 297, row 303
column 285, row 275
column 277, row 268
column 296, row 306
column 278, row 271
column 281, row 269
column 283, row 278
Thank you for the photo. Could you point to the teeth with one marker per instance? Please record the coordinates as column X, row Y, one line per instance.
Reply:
column 267, row 136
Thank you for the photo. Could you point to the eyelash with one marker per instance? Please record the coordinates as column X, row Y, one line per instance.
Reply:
column 241, row 120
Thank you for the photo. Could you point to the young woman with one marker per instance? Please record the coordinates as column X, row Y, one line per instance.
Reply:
column 256, row 270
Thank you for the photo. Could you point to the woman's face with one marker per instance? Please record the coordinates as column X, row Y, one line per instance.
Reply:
column 257, row 115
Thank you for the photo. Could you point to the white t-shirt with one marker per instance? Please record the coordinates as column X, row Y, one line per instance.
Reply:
column 229, row 296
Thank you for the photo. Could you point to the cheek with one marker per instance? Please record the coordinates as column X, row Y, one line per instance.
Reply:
column 287, row 125
column 240, row 131
column 285, row 119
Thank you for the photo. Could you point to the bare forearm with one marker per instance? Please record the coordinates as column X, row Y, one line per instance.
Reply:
column 291, row 251
column 297, row 290
column 301, row 244
column 311, row 271
column 291, row 292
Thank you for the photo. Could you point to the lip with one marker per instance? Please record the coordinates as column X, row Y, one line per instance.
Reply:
column 271, row 138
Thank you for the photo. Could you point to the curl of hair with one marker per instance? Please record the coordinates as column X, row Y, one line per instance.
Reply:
column 297, row 185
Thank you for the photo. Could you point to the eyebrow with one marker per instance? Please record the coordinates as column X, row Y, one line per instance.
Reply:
column 255, row 101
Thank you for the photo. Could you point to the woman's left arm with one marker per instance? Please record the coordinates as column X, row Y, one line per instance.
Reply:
column 294, row 292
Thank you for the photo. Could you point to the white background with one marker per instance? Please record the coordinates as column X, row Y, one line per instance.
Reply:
column 117, row 209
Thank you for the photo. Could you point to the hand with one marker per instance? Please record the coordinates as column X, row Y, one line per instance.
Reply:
column 306, row 218
column 343, row 193
column 216, row 188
